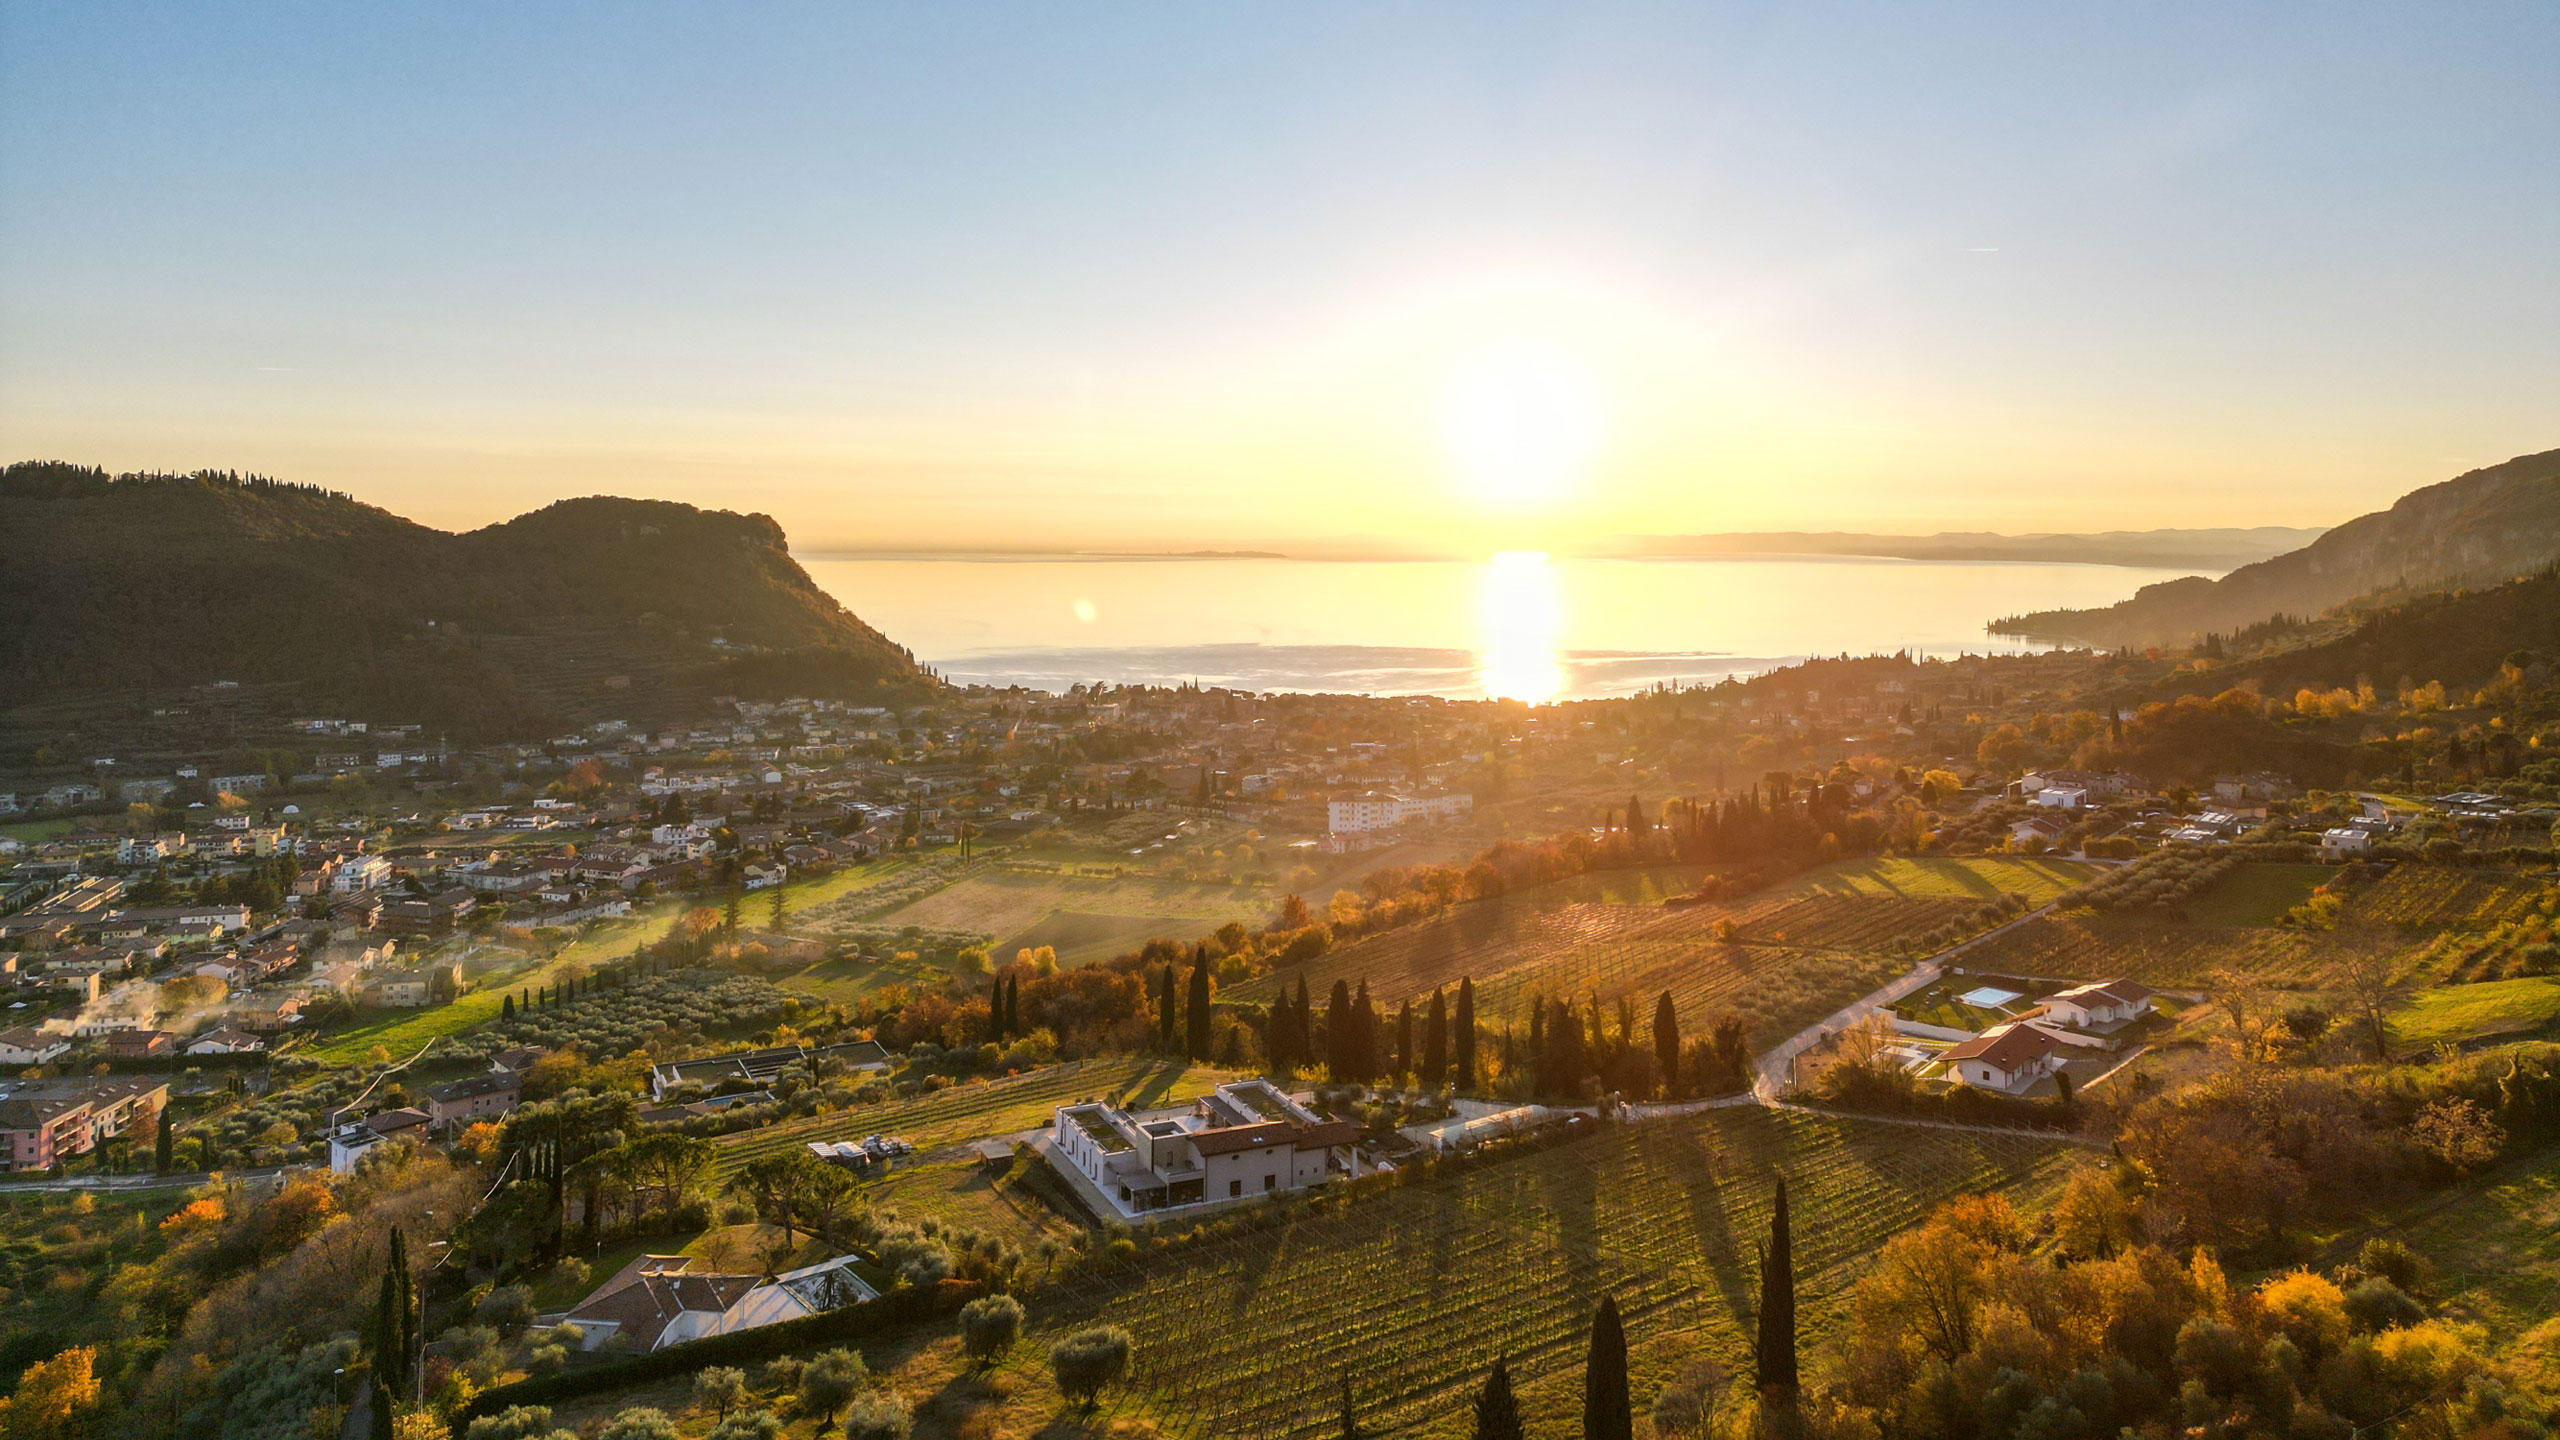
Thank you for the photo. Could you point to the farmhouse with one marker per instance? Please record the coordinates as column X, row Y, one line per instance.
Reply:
column 2009, row 1058
column 1244, row 1138
column 2344, row 841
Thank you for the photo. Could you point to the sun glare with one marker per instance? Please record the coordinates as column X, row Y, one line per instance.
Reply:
column 1521, row 423
column 1523, row 623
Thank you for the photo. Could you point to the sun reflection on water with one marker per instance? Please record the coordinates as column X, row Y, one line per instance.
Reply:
column 1522, row 614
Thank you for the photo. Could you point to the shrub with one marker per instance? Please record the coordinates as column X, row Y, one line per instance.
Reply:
column 2377, row 1304
column 1089, row 1361
column 877, row 1417
column 748, row 1425
column 516, row 1422
column 640, row 1423
column 830, row 1381
column 507, row 1309
column 990, row 1326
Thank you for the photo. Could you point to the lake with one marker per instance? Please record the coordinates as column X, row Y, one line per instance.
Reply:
column 1517, row 625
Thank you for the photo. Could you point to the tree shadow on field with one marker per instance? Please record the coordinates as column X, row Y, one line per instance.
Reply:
column 1707, row 1196
column 1149, row 1090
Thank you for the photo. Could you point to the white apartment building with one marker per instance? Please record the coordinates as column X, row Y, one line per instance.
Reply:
column 1245, row 1138
column 1384, row 810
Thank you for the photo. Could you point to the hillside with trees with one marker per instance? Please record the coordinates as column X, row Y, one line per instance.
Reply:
column 2481, row 528
column 133, row 589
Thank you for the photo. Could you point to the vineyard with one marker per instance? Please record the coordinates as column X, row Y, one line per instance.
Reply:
column 981, row 1109
column 2172, row 954
column 1242, row 1334
column 2427, row 897
column 1780, row 959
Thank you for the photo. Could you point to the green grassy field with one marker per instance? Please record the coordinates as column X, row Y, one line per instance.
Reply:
column 1084, row 915
column 2258, row 894
column 2443, row 1013
column 985, row 1108
column 2495, row 1243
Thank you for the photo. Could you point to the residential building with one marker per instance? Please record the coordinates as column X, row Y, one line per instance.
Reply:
column 27, row 1045
column 1385, row 810
column 349, row 1142
column 225, row 1040
column 1244, row 1138
column 2106, row 1003
column 2344, row 841
column 2008, row 1058
column 661, row 1300
column 482, row 1097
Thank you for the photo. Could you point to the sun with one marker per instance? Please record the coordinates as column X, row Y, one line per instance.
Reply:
column 1521, row 422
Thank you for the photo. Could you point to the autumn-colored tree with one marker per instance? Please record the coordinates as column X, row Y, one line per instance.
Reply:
column 53, row 1398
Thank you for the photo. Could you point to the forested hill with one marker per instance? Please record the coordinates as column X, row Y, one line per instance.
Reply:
column 142, row 586
column 2459, row 637
column 2482, row 528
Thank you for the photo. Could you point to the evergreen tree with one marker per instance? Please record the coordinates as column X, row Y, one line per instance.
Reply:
column 1777, row 1341
column 506, row 1009
column 1013, row 1006
column 1350, row 1416
column 394, row 1335
column 1364, row 1036
column 1635, row 817
column 1164, row 1010
column 163, row 1144
column 1463, row 1039
column 1497, row 1413
column 1404, row 1042
column 1196, row 1028
column 995, row 1009
column 1607, row 1414
column 1666, row 1045
column 1435, row 1042
column 1338, row 1062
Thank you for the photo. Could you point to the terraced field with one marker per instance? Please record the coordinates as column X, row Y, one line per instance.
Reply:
column 1793, row 955
column 1243, row 1335
column 981, row 1109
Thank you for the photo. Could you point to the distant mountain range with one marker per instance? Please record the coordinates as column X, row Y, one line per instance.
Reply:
column 2161, row 549
column 2478, row 529
column 135, row 588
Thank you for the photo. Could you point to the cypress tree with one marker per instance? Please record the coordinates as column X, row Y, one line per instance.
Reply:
column 995, row 1009
column 163, row 1145
column 1164, row 1009
column 1013, row 1006
column 1607, row 1414
column 1497, row 1413
column 1196, row 1030
column 1666, row 1045
column 506, row 1009
column 1338, row 1061
column 1464, row 1042
column 1404, row 1042
column 1302, row 1021
column 1435, row 1042
column 1364, row 1035
column 1350, row 1417
column 1777, row 1341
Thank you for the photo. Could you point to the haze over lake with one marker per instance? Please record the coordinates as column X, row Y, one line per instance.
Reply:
column 1519, row 624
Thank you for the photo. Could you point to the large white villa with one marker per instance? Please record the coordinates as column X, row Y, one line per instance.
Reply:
column 1244, row 1138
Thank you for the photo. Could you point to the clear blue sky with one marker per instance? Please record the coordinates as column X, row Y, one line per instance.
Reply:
column 1199, row 274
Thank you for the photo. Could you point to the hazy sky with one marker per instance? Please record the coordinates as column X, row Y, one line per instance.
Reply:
column 1220, row 275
